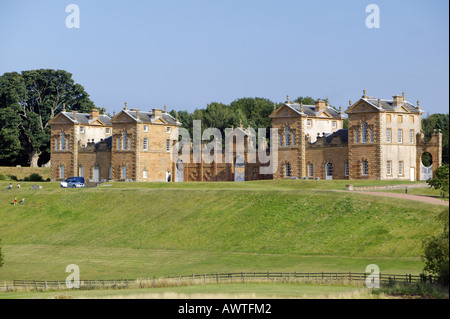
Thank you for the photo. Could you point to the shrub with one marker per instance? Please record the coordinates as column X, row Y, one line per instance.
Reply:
column 440, row 181
column 2, row 177
column 436, row 252
column 34, row 178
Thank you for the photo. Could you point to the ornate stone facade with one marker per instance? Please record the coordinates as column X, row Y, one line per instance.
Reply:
column 383, row 141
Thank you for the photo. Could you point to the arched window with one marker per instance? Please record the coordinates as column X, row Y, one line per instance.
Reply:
column 57, row 144
column 356, row 136
column 365, row 168
column 329, row 171
column 288, row 170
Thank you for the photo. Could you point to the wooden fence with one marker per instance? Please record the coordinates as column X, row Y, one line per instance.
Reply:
column 221, row 278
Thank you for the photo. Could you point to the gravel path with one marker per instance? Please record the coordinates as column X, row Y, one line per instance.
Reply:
column 420, row 198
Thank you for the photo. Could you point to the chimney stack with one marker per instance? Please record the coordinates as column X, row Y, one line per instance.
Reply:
column 94, row 114
column 320, row 105
column 156, row 113
column 398, row 100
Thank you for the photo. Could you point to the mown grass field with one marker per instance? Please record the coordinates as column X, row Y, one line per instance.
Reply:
column 223, row 291
column 142, row 230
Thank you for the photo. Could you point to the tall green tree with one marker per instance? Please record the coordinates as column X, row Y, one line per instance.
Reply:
column 436, row 252
column 28, row 101
column 440, row 122
column 441, row 180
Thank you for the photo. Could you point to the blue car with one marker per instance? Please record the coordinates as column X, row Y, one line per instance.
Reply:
column 73, row 182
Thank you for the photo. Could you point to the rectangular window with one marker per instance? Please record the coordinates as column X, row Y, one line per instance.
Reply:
column 400, row 136
column 63, row 141
column 356, row 136
column 293, row 139
column 168, row 129
column 118, row 143
column 129, row 144
column 346, row 171
column 62, row 171
column 57, row 144
column 372, row 139
column 388, row 135
column 389, row 168
column 334, row 124
column 388, row 118
column 144, row 174
column 365, row 168
column 411, row 136
column 110, row 172
column 124, row 172
column 145, row 144
column 145, row 128
column 81, row 129
column 287, row 136
column 309, row 123
column 168, row 145
column 124, row 140
column 108, row 130
column 281, row 140
column 364, row 132
column 400, row 168
column 310, row 170
column 81, row 171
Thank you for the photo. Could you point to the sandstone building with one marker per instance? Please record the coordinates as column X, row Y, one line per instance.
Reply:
column 383, row 141
column 135, row 146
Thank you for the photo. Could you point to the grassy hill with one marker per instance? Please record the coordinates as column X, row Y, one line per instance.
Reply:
column 143, row 229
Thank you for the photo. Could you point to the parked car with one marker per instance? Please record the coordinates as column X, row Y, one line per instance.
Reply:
column 73, row 182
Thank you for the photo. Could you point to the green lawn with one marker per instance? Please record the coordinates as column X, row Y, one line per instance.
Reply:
column 134, row 230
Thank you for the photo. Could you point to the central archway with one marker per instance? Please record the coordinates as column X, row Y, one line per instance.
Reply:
column 426, row 166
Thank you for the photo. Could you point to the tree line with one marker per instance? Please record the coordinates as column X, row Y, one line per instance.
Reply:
column 29, row 99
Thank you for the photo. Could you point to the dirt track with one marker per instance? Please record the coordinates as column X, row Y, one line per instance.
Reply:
column 420, row 198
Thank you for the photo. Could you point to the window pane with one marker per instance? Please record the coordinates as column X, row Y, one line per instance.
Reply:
column 364, row 132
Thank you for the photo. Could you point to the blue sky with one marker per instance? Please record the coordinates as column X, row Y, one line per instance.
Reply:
column 188, row 53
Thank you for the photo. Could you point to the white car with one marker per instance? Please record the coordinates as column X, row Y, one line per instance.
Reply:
column 73, row 182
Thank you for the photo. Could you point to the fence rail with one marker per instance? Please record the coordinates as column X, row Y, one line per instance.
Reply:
column 218, row 278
